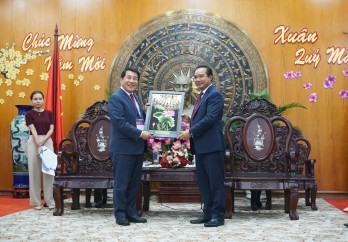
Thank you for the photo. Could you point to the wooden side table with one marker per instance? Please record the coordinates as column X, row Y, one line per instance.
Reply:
column 185, row 176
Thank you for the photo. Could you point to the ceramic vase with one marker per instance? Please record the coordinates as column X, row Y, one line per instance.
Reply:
column 19, row 139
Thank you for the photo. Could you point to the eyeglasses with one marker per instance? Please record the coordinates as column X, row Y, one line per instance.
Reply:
column 135, row 78
column 199, row 76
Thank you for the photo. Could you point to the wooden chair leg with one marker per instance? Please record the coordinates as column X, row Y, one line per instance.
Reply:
column 139, row 201
column 75, row 195
column 293, row 203
column 58, row 199
column 228, row 202
column 313, row 198
column 146, row 192
column 104, row 196
column 287, row 201
column 88, row 193
column 232, row 197
column 307, row 196
column 255, row 202
column 268, row 200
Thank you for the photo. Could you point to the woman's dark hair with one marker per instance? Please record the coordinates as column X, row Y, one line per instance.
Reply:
column 132, row 69
column 36, row 92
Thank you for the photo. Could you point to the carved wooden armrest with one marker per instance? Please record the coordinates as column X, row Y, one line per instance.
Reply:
column 309, row 164
column 67, row 154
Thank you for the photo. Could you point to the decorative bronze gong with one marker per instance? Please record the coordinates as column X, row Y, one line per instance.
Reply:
column 172, row 45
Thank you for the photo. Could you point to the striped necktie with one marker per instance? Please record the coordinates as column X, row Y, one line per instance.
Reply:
column 133, row 100
column 199, row 99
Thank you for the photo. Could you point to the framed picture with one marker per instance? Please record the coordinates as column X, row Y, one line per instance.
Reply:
column 163, row 116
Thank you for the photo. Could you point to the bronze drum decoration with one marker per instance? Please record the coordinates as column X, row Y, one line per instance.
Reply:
column 168, row 48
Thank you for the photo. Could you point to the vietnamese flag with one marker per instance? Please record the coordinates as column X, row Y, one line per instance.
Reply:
column 54, row 94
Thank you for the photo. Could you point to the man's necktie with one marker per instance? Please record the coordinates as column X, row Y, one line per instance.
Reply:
column 199, row 99
column 133, row 100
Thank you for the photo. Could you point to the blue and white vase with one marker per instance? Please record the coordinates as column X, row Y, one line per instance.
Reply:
column 19, row 140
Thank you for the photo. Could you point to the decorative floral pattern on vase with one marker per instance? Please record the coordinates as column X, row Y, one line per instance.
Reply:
column 19, row 139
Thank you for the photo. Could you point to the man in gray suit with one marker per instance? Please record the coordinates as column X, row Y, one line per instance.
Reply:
column 207, row 143
column 127, row 146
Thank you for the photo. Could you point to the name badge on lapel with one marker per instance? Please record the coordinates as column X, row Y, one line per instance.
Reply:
column 140, row 124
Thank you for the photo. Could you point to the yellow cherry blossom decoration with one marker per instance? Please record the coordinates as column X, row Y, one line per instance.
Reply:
column 26, row 82
column 2, row 101
column 11, row 60
column 96, row 87
column 44, row 76
column 29, row 72
column 9, row 93
column 8, row 82
column 21, row 94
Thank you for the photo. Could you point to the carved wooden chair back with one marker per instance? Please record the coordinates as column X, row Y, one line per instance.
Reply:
column 87, row 144
column 259, row 144
column 92, row 140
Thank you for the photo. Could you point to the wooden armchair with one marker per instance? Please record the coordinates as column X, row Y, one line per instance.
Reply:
column 84, row 161
column 265, row 153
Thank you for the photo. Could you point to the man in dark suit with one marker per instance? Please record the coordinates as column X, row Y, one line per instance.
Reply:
column 127, row 146
column 207, row 143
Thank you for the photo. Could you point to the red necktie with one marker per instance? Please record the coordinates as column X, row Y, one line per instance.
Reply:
column 196, row 107
column 133, row 100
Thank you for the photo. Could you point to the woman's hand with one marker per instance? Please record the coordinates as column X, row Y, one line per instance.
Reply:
column 41, row 141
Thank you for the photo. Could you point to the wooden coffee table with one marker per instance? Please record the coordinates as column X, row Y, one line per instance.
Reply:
column 184, row 177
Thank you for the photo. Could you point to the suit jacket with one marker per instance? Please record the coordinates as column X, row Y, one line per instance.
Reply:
column 125, row 137
column 207, row 125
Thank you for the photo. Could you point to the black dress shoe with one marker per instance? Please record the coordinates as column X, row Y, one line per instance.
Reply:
column 122, row 221
column 346, row 225
column 201, row 220
column 136, row 219
column 214, row 223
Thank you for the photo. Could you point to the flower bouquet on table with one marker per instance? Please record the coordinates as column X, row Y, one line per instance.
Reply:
column 173, row 153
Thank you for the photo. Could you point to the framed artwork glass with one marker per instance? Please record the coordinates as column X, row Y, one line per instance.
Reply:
column 163, row 116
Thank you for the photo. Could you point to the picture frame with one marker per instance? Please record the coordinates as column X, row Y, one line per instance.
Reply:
column 163, row 115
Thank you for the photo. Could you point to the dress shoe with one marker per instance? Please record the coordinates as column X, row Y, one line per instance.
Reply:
column 214, row 223
column 136, row 219
column 346, row 225
column 122, row 221
column 201, row 220
column 88, row 205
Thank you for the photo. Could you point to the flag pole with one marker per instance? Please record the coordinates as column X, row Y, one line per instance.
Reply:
column 54, row 97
